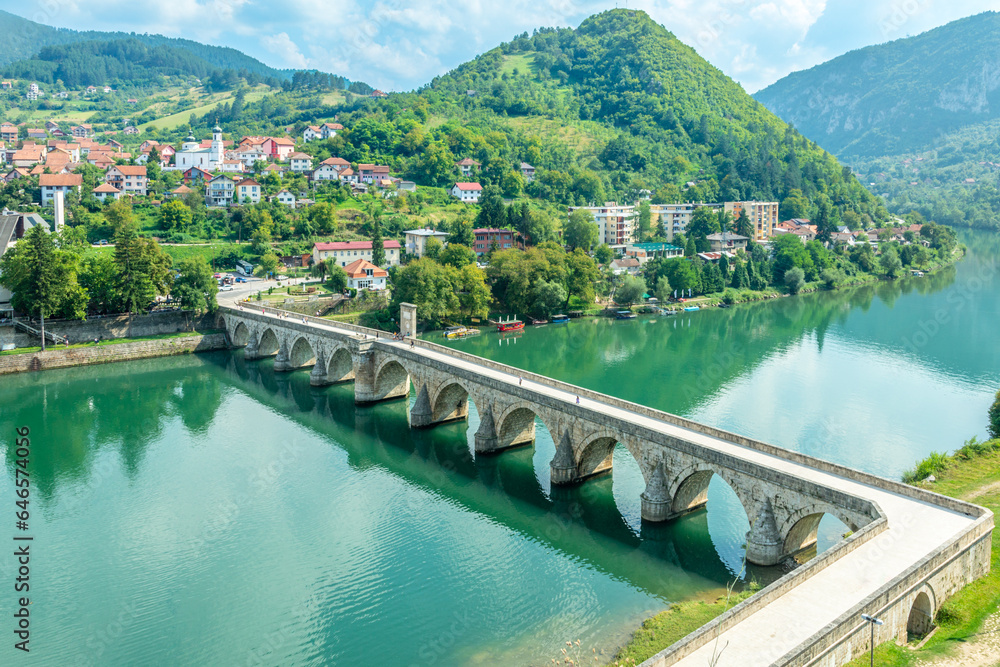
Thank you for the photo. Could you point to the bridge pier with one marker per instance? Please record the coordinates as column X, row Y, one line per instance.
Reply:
column 655, row 499
column 764, row 544
column 486, row 436
column 282, row 362
column 421, row 414
column 317, row 377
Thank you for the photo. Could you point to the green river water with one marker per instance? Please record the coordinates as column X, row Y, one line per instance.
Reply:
column 204, row 510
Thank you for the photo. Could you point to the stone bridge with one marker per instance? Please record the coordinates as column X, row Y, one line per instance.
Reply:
column 784, row 494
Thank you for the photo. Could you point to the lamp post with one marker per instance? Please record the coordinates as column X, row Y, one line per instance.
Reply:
column 872, row 621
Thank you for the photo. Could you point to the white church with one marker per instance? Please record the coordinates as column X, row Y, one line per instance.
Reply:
column 192, row 154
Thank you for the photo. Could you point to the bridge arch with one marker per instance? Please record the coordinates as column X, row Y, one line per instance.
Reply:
column 340, row 365
column 799, row 531
column 921, row 618
column 596, row 451
column 302, row 353
column 241, row 335
column 450, row 401
column 269, row 343
column 688, row 490
column 516, row 425
column 392, row 380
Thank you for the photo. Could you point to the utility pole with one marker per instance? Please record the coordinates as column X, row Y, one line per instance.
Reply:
column 872, row 621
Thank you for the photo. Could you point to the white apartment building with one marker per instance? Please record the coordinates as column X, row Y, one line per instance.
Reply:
column 615, row 224
column 763, row 216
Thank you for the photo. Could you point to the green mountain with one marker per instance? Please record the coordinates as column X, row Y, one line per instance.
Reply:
column 919, row 118
column 614, row 107
column 900, row 96
column 21, row 39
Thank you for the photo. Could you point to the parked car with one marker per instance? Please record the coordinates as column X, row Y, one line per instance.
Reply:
column 226, row 288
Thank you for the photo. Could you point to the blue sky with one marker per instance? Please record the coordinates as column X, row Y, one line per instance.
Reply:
column 400, row 44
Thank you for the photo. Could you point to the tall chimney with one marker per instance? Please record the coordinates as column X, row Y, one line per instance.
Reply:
column 60, row 207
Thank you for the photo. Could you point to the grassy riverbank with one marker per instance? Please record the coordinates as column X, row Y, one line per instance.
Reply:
column 971, row 474
column 683, row 618
column 113, row 341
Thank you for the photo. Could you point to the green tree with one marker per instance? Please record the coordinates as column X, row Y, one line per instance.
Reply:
column 99, row 276
column 143, row 270
column 744, row 227
column 704, row 221
column 690, row 248
column 378, row 245
column 795, row 279
column 492, row 212
column 890, row 262
column 42, row 278
column 337, row 280
column 664, row 292
column 581, row 276
column 175, row 215
column 195, row 288
column 581, row 230
column 630, row 290
column 473, row 293
column 457, row 255
column 548, row 297
column 267, row 264
column 644, row 221
column 604, row 254
column 324, row 217
column 433, row 247
column 994, row 415
column 462, row 232
column 428, row 285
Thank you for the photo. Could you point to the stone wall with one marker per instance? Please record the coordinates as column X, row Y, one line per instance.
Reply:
column 119, row 326
column 84, row 356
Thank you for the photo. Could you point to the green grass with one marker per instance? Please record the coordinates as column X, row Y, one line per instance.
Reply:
column 181, row 117
column 683, row 618
column 114, row 341
column 523, row 62
column 976, row 478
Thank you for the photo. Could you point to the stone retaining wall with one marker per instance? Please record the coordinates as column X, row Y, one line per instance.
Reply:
column 117, row 326
column 85, row 356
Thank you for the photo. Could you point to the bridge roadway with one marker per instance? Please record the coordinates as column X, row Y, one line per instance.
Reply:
column 927, row 546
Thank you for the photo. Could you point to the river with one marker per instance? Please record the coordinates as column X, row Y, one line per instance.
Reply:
column 205, row 510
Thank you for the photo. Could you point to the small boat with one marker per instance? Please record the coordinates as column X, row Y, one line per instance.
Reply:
column 692, row 308
column 510, row 325
column 536, row 323
column 624, row 315
column 460, row 332
column 560, row 319
column 669, row 311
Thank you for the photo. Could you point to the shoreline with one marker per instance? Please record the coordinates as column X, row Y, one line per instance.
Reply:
column 133, row 349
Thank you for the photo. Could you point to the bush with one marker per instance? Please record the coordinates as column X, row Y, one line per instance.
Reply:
column 729, row 296
column 934, row 463
column 830, row 277
column 994, row 414
column 795, row 279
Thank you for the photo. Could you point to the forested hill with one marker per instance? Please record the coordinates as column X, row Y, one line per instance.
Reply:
column 118, row 62
column 22, row 39
column 670, row 117
column 897, row 97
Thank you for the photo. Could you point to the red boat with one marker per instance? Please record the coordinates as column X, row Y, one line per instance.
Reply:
column 510, row 325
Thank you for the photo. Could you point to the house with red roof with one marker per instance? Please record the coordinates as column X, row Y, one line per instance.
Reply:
column 128, row 179
column 467, row 192
column 363, row 275
column 248, row 191
column 345, row 252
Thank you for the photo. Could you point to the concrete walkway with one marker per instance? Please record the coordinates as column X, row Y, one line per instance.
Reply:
column 916, row 529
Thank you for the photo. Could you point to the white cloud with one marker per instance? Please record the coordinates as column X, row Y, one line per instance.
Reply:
column 402, row 44
column 282, row 46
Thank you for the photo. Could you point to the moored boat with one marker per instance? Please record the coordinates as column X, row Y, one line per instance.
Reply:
column 692, row 308
column 460, row 332
column 560, row 319
column 510, row 325
column 624, row 315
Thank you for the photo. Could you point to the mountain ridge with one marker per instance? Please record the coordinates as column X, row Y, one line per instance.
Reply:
column 898, row 96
